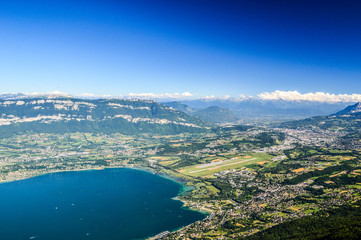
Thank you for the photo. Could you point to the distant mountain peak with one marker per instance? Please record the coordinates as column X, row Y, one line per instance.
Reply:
column 356, row 108
column 216, row 114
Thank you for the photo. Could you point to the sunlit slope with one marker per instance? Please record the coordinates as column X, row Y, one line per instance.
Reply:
column 71, row 115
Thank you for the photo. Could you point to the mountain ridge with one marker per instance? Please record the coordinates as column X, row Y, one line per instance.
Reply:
column 102, row 115
column 348, row 119
column 252, row 108
column 352, row 109
column 247, row 109
column 212, row 114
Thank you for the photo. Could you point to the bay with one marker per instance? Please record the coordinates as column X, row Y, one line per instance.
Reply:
column 107, row 204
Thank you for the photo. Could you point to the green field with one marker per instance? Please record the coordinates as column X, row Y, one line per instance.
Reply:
column 201, row 170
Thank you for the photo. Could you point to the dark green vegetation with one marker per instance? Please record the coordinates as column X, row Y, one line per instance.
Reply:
column 339, row 223
column 323, row 175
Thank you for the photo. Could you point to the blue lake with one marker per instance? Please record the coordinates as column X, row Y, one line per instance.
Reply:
column 100, row 204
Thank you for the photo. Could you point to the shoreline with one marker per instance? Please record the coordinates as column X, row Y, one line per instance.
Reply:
column 58, row 171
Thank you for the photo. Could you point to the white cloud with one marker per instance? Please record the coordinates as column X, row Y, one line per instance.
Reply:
column 93, row 96
column 160, row 95
column 49, row 94
column 241, row 97
column 86, row 95
column 212, row 97
column 315, row 97
column 275, row 95
column 225, row 97
column 147, row 96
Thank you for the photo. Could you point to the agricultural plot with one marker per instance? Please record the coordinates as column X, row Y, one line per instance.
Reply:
column 201, row 170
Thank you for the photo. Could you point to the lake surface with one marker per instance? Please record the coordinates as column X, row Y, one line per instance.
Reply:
column 99, row 204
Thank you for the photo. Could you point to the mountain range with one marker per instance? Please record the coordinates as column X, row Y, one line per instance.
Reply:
column 212, row 114
column 22, row 113
column 254, row 110
column 101, row 115
column 233, row 110
column 274, row 110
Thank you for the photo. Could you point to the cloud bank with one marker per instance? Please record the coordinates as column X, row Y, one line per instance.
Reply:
column 176, row 95
column 267, row 96
column 315, row 97
column 53, row 94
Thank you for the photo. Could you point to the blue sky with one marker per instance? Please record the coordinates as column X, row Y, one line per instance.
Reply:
column 203, row 47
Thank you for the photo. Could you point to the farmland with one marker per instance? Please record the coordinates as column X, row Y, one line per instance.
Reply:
column 217, row 165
